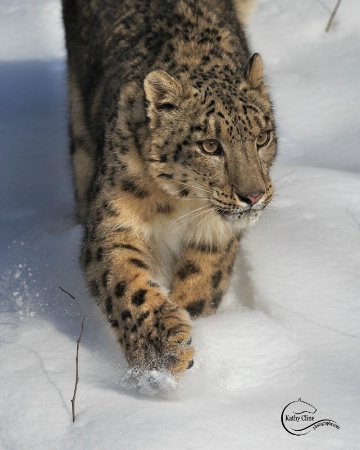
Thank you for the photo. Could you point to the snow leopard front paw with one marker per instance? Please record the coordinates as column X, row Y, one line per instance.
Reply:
column 160, row 339
column 174, row 330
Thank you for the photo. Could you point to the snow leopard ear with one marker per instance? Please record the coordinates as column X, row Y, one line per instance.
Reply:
column 254, row 71
column 162, row 91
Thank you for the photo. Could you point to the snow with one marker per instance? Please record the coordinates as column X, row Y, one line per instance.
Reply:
column 289, row 325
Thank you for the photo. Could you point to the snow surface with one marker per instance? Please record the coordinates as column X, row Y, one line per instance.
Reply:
column 289, row 325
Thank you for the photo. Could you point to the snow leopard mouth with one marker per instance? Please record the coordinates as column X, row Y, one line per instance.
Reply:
column 235, row 216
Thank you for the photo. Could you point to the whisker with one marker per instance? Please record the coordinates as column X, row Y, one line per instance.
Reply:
column 184, row 215
column 189, row 220
column 283, row 176
column 201, row 221
column 211, row 213
column 277, row 195
column 283, row 186
column 194, row 197
column 191, row 199
column 272, row 208
column 284, row 183
column 190, row 185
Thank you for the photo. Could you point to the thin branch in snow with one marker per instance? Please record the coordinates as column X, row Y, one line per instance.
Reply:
column 352, row 215
column 77, row 351
column 332, row 16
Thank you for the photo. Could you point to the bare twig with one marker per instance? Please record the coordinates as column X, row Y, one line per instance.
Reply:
column 332, row 16
column 77, row 351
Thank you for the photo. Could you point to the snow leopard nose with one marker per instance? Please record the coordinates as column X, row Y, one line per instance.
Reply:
column 250, row 199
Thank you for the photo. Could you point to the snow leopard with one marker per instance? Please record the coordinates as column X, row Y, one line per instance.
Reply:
column 172, row 136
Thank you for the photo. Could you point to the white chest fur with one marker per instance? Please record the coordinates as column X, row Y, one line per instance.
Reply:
column 191, row 222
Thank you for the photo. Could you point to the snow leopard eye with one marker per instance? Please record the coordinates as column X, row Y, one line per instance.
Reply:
column 211, row 146
column 263, row 139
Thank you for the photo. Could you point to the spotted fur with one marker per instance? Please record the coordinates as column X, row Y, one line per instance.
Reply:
column 155, row 86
